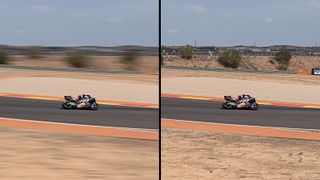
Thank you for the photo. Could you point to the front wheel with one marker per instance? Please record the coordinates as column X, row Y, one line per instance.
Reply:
column 94, row 106
column 254, row 106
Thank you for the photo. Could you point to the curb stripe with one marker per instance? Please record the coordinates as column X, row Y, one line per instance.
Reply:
column 263, row 102
column 13, row 77
column 242, row 129
column 104, row 102
column 80, row 129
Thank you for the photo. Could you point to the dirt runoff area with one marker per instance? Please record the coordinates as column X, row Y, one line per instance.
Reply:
column 35, row 155
column 299, row 64
column 208, row 155
column 240, row 75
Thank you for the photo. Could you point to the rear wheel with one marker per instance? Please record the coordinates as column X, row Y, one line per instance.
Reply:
column 67, row 105
column 227, row 106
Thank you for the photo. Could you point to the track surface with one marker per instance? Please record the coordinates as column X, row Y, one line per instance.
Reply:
column 42, row 110
column 209, row 111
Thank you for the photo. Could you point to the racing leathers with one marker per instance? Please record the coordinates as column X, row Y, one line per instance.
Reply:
column 83, row 100
column 242, row 100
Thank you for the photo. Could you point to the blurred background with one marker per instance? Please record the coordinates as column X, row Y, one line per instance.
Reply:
column 105, row 35
column 134, row 58
column 105, row 48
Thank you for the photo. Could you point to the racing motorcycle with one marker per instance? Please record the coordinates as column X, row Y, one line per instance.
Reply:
column 90, row 103
column 250, row 103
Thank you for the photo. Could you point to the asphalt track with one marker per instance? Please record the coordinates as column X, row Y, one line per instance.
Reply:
column 210, row 111
column 43, row 110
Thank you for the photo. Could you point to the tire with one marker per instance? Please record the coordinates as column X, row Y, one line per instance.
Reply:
column 254, row 106
column 94, row 106
column 67, row 105
column 227, row 106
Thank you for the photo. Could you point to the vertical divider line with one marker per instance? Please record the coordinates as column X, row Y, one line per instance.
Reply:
column 160, row 57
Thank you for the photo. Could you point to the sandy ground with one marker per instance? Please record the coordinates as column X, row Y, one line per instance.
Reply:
column 36, row 155
column 133, row 78
column 297, row 63
column 128, row 88
column 208, row 155
column 274, row 87
column 143, row 64
column 111, row 90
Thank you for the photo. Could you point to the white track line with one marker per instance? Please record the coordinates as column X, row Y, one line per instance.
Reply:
column 84, row 125
column 266, row 127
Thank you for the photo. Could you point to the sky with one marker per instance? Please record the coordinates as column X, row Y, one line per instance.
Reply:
column 79, row 22
column 240, row 22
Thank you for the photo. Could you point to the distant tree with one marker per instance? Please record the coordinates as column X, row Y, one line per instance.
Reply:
column 186, row 52
column 34, row 52
column 129, row 59
column 78, row 59
column 161, row 60
column 283, row 58
column 230, row 59
column 4, row 58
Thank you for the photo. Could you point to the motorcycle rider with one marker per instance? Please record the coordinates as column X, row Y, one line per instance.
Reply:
column 78, row 98
column 243, row 100
column 83, row 100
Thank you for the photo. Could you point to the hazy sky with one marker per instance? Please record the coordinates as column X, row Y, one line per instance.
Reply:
column 235, row 22
column 79, row 22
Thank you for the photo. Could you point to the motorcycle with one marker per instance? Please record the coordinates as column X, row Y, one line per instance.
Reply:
column 90, row 103
column 250, row 103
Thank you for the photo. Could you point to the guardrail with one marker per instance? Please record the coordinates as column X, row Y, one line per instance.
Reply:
column 215, row 51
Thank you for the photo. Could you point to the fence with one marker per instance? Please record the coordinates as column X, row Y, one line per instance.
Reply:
column 214, row 51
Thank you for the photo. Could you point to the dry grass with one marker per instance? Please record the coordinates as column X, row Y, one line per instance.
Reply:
column 283, row 78
column 42, row 155
column 145, row 64
column 297, row 63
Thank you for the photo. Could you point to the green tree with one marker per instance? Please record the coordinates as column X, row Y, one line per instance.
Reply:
column 230, row 59
column 129, row 59
column 186, row 52
column 283, row 58
column 34, row 52
column 161, row 60
column 4, row 58
column 78, row 59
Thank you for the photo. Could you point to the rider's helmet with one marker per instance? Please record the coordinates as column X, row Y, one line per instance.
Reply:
column 239, row 97
column 79, row 97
